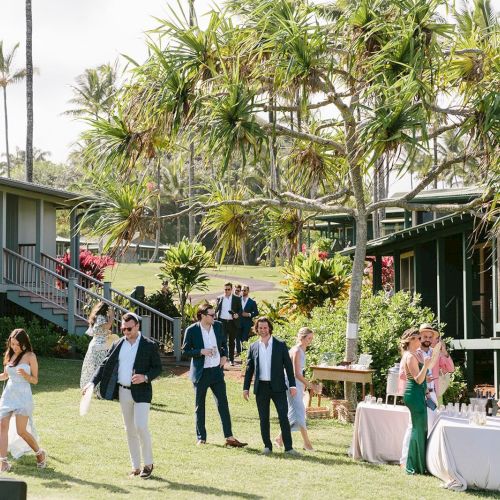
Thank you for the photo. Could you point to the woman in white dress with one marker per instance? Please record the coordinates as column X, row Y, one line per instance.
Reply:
column 100, row 323
column 20, row 371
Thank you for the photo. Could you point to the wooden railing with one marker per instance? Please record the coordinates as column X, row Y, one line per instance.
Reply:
column 76, row 292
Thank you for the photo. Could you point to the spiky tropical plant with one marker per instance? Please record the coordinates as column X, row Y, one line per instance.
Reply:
column 310, row 281
column 183, row 266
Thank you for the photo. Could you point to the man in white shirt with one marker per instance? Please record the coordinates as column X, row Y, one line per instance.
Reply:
column 126, row 374
column 228, row 311
column 268, row 359
column 204, row 344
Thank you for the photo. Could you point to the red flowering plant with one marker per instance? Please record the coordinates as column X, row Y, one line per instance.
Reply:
column 387, row 269
column 90, row 264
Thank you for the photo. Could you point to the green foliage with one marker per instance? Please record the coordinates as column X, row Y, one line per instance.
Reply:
column 162, row 301
column 183, row 267
column 457, row 390
column 310, row 281
column 381, row 325
column 322, row 244
column 45, row 339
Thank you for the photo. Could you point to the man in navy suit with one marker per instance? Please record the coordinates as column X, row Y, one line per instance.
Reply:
column 205, row 344
column 268, row 359
column 249, row 311
column 126, row 374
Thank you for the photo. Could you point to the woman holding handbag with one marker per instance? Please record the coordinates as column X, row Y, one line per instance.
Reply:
column 16, row 403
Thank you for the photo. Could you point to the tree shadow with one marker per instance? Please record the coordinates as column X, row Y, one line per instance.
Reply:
column 210, row 490
column 55, row 479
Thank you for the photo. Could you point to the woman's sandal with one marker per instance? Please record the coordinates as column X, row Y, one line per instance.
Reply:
column 41, row 464
column 5, row 466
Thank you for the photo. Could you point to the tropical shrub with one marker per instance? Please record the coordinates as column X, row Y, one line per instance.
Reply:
column 457, row 389
column 183, row 267
column 90, row 264
column 163, row 301
column 322, row 244
column 382, row 323
column 311, row 281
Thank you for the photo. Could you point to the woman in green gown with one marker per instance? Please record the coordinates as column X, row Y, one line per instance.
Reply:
column 414, row 398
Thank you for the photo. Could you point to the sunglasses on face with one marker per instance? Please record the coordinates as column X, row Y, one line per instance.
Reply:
column 227, row 289
column 127, row 328
column 211, row 315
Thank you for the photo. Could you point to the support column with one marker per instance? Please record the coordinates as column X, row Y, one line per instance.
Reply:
column 377, row 274
column 418, row 269
column 467, row 309
column 2, row 232
column 407, row 223
column 397, row 271
column 74, row 246
column 441, row 279
column 39, row 231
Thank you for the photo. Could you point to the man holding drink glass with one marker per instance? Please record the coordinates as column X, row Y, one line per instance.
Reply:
column 204, row 343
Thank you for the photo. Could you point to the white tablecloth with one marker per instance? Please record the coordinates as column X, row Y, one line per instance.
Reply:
column 465, row 455
column 378, row 432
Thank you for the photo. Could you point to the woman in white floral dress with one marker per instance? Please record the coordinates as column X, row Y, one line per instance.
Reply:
column 100, row 322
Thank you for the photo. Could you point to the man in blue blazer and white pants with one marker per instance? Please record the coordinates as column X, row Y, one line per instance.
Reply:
column 204, row 342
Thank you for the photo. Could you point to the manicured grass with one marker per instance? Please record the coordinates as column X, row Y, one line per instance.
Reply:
column 88, row 456
column 126, row 276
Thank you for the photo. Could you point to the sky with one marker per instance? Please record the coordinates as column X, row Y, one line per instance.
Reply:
column 69, row 36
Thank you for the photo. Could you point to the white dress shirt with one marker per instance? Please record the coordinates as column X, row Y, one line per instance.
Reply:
column 210, row 341
column 265, row 355
column 126, row 360
column 225, row 307
column 243, row 302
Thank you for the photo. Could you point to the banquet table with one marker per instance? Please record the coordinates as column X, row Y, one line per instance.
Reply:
column 379, row 431
column 465, row 455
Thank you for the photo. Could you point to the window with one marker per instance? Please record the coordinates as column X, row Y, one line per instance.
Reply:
column 406, row 280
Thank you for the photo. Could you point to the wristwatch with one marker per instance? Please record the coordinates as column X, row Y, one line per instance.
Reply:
column 146, row 379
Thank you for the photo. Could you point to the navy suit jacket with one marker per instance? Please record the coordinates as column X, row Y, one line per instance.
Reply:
column 147, row 362
column 235, row 307
column 250, row 307
column 193, row 344
column 280, row 363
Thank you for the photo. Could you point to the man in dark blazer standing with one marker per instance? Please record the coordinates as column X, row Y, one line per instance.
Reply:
column 126, row 374
column 228, row 311
column 268, row 359
column 204, row 343
column 249, row 311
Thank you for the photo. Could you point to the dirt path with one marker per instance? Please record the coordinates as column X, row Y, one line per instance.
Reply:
column 254, row 284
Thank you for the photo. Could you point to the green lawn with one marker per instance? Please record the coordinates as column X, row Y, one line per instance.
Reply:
column 126, row 276
column 88, row 457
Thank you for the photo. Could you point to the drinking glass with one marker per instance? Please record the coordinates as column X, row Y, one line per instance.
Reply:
column 379, row 401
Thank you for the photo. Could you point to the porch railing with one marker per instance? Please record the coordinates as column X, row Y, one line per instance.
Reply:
column 162, row 328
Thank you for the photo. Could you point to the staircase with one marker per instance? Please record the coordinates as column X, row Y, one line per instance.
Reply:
column 64, row 296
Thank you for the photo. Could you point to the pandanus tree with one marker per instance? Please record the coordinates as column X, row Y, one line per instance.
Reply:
column 367, row 82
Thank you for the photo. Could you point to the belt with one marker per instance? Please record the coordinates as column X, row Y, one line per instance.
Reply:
column 226, row 320
column 264, row 381
column 124, row 386
column 430, row 390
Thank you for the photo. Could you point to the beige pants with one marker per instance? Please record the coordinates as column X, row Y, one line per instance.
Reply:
column 135, row 418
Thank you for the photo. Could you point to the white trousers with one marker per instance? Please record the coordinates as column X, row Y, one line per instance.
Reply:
column 135, row 418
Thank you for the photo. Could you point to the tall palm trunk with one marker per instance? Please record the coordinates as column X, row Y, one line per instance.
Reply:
column 158, row 212
column 6, row 129
column 29, row 93
column 191, row 219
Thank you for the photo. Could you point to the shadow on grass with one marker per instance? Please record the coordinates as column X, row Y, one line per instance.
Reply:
column 54, row 479
column 207, row 490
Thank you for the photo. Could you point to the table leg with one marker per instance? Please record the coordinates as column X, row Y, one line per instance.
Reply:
column 371, row 389
column 363, row 391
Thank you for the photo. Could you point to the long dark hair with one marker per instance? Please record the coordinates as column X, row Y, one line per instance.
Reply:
column 100, row 309
column 24, row 342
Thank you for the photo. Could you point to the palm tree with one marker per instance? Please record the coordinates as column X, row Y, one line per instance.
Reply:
column 7, row 77
column 29, row 92
column 94, row 92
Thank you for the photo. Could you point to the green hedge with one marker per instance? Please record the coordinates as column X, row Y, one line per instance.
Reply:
column 45, row 338
column 382, row 322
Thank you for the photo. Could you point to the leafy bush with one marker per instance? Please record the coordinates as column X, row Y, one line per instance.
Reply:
column 457, row 390
column 162, row 301
column 381, row 325
column 90, row 264
column 46, row 340
column 311, row 281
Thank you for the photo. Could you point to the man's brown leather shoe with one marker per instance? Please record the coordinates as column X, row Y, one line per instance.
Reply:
column 234, row 443
column 134, row 472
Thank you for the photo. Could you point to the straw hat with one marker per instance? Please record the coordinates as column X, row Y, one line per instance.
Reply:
column 427, row 327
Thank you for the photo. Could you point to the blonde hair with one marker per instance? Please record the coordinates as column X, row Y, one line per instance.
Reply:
column 303, row 333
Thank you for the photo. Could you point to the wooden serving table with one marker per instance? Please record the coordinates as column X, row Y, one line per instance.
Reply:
column 341, row 374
